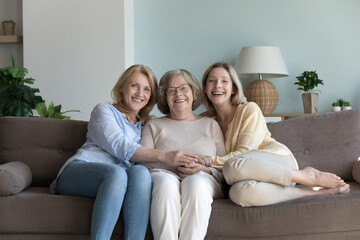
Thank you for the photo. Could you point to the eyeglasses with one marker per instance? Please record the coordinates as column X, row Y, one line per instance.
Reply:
column 184, row 88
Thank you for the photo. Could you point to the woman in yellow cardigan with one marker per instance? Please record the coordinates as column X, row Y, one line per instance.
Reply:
column 261, row 170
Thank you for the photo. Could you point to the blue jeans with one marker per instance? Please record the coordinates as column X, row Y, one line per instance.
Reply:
column 110, row 185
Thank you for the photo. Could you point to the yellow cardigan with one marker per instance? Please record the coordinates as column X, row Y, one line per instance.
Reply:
column 248, row 132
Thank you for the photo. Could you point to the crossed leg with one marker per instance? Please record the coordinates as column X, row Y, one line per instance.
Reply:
column 256, row 173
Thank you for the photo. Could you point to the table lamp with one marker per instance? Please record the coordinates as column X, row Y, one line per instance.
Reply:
column 261, row 62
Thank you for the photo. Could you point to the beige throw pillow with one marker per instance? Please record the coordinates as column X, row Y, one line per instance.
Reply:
column 356, row 171
column 14, row 177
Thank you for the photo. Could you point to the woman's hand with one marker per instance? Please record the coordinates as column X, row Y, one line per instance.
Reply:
column 192, row 168
column 172, row 158
column 206, row 160
column 179, row 158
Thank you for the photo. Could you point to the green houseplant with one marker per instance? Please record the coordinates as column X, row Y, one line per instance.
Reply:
column 336, row 107
column 8, row 27
column 16, row 97
column 340, row 101
column 307, row 82
column 52, row 111
column 346, row 106
column 341, row 105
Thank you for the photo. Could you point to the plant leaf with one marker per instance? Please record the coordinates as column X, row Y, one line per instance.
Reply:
column 57, row 109
column 18, row 109
column 51, row 110
column 17, row 72
column 41, row 109
column 60, row 116
column 70, row 111
column 4, row 88
column 26, row 112
column 13, row 60
column 29, row 80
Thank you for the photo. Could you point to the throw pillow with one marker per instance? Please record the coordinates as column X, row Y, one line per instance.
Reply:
column 14, row 177
column 356, row 171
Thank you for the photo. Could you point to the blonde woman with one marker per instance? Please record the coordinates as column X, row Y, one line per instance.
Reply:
column 103, row 168
column 260, row 170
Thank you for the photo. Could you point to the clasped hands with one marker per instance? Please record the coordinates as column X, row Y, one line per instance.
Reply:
column 189, row 164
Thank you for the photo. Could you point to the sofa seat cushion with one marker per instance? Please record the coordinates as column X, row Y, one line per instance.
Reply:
column 294, row 219
column 35, row 210
column 14, row 177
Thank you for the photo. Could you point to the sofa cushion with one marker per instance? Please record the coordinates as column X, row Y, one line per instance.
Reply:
column 36, row 211
column 356, row 171
column 329, row 142
column 14, row 177
column 44, row 144
column 305, row 218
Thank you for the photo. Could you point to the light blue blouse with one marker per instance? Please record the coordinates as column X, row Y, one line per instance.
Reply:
column 110, row 138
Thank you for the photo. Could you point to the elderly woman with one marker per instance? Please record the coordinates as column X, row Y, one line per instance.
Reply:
column 182, row 196
column 103, row 168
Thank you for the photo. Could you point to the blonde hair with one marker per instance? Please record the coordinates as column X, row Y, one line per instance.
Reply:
column 165, row 82
column 124, row 79
column 236, row 98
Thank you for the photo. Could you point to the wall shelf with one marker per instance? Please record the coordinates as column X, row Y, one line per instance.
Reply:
column 10, row 39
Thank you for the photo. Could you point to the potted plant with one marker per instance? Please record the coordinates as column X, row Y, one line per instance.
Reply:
column 16, row 97
column 336, row 107
column 346, row 106
column 8, row 27
column 307, row 82
column 52, row 111
column 340, row 101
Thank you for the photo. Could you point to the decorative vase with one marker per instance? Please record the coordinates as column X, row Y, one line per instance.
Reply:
column 336, row 109
column 310, row 102
column 8, row 28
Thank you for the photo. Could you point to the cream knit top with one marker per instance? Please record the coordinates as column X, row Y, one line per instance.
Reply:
column 248, row 132
column 202, row 137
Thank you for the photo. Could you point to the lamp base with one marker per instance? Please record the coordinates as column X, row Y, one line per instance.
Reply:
column 264, row 94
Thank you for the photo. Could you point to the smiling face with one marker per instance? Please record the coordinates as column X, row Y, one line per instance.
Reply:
column 179, row 97
column 136, row 93
column 219, row 86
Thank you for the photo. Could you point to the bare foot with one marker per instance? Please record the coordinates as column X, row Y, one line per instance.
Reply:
column 312, row 177
column 344, row 189
column 325, row 191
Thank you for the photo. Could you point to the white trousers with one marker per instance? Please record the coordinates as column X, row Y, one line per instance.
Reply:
column 260, row 178
column 180, row 209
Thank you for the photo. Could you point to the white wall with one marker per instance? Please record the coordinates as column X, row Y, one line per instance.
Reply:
column 322, row 35
column 76, row 50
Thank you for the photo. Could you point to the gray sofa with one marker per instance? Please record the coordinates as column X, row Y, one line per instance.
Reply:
column 329, row 142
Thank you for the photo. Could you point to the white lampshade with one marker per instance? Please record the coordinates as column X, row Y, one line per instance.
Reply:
column 264, row 60
column 261, row 62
